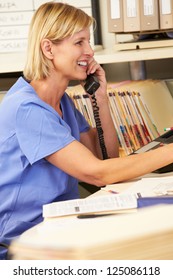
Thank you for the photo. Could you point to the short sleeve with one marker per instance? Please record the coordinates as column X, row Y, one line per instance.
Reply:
column 68, row 104
column 40, row 131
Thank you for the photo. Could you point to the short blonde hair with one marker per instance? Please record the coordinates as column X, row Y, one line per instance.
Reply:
column 53, row 21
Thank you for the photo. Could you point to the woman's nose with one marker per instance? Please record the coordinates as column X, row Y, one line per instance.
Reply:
column 89, row 51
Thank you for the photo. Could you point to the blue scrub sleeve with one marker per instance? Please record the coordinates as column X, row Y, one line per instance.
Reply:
column 83, row 125
column 40, row 131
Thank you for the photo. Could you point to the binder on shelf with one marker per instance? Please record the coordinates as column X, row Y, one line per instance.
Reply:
column 166, row 14
column 149, row 15
column 115, row 16
column 131, row 12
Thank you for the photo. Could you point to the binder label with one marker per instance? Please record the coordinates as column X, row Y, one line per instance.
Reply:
column 115, row 9
column 148, row 7
column 131, row 8
column 166, row 7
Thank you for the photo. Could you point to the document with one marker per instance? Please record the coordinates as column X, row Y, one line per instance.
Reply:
column 147, row 187
column 107, row 203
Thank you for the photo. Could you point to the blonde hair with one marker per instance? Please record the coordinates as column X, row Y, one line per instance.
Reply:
column 53, row 21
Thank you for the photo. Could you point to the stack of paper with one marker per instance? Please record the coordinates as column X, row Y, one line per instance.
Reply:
column 103, row 204
column 146, row 234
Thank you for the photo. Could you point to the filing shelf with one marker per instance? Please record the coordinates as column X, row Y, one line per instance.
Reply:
column 108, row 56
column 14, row 62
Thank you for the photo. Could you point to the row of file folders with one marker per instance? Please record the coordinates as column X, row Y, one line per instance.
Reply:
column 130, row 16
column 131, row 117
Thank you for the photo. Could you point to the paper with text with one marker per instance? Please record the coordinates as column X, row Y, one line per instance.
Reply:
column 152, row 187
column 95, row 204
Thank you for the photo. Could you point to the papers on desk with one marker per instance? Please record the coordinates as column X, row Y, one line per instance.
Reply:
column 107, row 203
column 151, row 191
column 123, row 202
column 146, row 187
column 145, row 234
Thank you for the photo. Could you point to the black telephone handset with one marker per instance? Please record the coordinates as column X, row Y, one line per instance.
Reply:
column 91, row 85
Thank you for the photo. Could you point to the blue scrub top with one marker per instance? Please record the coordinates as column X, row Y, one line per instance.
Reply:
column 30, row 130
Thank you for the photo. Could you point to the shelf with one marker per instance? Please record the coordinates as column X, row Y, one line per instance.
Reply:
column 14, row 62
column 107, row 56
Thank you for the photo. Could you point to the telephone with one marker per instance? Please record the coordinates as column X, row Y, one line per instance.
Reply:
column 163, row 139
column 91, row 85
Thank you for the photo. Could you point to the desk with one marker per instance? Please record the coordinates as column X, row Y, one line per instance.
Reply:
column 145, row 234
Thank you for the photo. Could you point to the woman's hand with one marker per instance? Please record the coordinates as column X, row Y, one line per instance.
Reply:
column 95, row 69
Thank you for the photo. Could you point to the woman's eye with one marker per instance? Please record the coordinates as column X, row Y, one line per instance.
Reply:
column 79, row 43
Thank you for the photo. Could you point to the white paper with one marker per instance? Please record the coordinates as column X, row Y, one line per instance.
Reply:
column 15, row 18
column 95, row 204
column 15, row 5
column 152, row 187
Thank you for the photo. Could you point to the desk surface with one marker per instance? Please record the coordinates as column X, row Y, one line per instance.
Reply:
column 128, row 236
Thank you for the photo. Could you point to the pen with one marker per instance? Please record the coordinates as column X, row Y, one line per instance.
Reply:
column 89, row 216
column 110, row 191
column 168, row 128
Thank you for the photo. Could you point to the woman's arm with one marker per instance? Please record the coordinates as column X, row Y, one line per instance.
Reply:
column 76, row 160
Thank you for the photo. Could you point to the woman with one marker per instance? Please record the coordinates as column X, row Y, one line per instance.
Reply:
column 46, row 145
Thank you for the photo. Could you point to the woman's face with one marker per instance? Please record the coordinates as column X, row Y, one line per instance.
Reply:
column 72, row 55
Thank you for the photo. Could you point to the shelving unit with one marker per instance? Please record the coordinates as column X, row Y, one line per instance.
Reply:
column 14, row 62
column 107, row 56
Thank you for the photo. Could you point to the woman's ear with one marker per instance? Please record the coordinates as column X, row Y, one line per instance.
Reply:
column 46, row 46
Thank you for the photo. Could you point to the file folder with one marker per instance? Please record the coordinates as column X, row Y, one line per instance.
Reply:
column 149, row 15
column 131, row 12
column 154, row 200
column 115, row 16
column 166, row 14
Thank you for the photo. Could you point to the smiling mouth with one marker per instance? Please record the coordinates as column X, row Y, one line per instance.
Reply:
column 82, row 63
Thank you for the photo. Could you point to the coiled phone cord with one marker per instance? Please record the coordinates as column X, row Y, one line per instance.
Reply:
column 99, row 127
